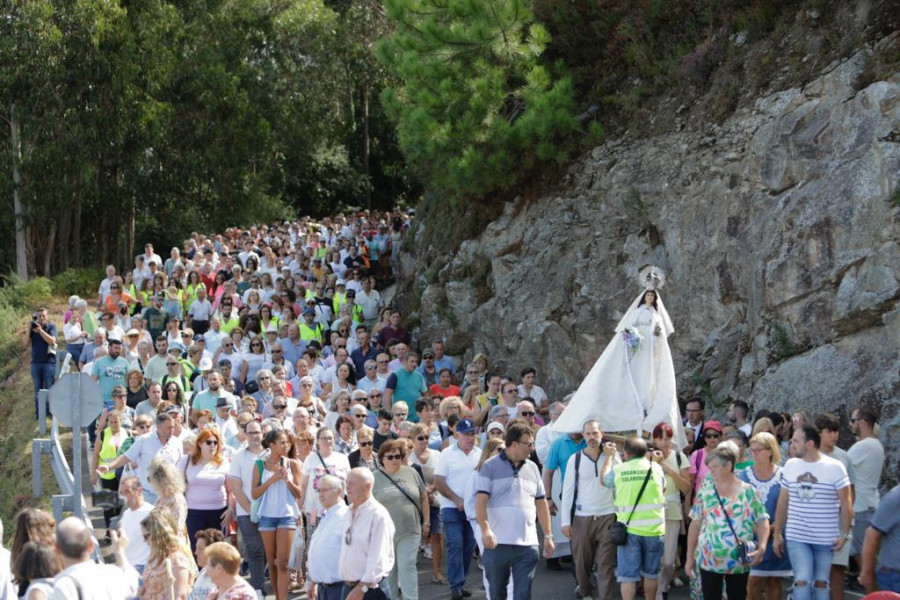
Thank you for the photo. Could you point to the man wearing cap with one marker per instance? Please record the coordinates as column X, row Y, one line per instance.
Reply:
column 340, row 296
column 224, row 421
column 352, row 309
column 509, row 500
column 208, row 399
column 199, row 313
column 175, row 372
column 429, row 371
column 309, row 330
column 455, row 468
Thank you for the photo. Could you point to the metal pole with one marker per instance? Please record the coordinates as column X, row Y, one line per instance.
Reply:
column 37, row 484
column 76, row 452
column 43, row 400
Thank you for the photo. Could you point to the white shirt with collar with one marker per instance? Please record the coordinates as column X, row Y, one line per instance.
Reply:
column 457, row 468
column 369, row 557
column 325, row 545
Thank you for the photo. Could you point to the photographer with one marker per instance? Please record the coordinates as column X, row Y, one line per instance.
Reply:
column 42, row 336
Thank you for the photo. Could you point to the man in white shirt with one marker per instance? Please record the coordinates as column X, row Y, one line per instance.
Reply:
column 367, row 548
column 737, row 414
column 103, row 290
column 81, row 578
column 588, row 510
column 241, row 474
column 136, row 509
column 200, row 312
column 325, row 580
column 371, row 302
column 867, row 455
column 454, row 470
column 215, row 335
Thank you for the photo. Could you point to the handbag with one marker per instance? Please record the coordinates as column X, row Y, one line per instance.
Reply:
column 254, row 504
column 408, row 497
column 744, row 548
column 295, row 559
column 618, row 531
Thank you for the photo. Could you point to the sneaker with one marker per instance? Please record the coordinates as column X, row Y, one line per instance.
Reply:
column 465, row 593
column 428, row 552
column 456, row 595
column 677, row 582
column 577, row 591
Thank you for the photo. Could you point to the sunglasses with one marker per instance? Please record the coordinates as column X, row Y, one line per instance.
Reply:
column 527, row 413
column 171, row 364
column 365, row 444
column 360, row 416
column 382, row 362
column 279, row 406
column 276, row 351
column 712, row 436
column 391, row 457
column 422, row 438
column 211, row 443
column 374, row 395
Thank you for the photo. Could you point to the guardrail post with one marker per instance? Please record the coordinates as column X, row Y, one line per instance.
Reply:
column 43, row 401
column 37, row 482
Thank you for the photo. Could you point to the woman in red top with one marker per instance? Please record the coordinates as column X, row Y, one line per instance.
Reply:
column 444, row 388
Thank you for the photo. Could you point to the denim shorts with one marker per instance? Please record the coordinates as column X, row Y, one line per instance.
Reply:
column 273, row 523
column 640, row 556
column 434, row 516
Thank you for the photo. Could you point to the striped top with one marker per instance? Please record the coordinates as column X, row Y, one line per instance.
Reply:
column 813, row 504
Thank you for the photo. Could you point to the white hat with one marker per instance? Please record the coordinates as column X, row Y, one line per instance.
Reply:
column 496, row 425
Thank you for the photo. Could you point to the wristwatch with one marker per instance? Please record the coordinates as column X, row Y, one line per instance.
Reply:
column 363, row 587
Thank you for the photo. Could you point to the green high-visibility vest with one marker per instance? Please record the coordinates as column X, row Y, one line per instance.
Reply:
column 649, row 518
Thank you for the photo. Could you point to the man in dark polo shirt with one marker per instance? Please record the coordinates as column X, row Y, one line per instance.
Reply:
column 510, row 497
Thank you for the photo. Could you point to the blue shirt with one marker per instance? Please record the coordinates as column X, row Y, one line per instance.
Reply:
column 560, row 452
column 444, row 362
column 110, row 372
column 39, row 347
column 292, row 352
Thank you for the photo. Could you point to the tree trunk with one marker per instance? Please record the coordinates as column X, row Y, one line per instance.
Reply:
column 65, row 233
column 18, row 209
column 365, row 102
column 48, row 249
column 76, row 228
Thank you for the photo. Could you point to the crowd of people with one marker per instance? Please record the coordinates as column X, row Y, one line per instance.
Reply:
column 270, row 426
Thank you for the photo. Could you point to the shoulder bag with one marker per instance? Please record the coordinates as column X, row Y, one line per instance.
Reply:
column 618, row 531
column 404, row 492
column 744, row 548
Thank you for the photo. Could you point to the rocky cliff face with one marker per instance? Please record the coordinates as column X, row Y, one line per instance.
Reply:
column 779, row 234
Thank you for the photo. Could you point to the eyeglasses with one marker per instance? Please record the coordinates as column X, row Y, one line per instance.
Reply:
column 339, row 346
column 365, row 444
column 529, row 444
column 391, row 457
column 276, row 351
column 374, row 395
column 527, row 413
column 422, row 438
column 279, row 406
column 256, row 345
column 712, row 436
column 211, row 443
column 227, row 345
column 113, row 287
column 264, row 378
column 118, row 395
column 326, row 439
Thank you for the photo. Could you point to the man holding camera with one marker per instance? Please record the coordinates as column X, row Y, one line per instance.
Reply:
column 42, row 335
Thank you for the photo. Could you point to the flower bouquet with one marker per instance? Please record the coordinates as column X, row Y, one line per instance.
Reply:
column 633, row 338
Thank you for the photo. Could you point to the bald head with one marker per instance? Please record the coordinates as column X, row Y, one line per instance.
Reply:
column 73, row 539
column 359, row 485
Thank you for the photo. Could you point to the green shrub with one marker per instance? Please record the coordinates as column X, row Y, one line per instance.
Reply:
column 82, row 282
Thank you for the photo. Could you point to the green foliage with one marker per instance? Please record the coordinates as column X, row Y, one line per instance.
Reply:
column 475, row 107
column 81, row 282
column 781, row 344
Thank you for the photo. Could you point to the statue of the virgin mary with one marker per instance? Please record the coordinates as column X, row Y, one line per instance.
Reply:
column 631, row 387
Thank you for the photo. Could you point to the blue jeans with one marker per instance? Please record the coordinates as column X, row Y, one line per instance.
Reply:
column 198, row 520
column 255, row 552
column 888, row 581
column 640, row 556
column 499, row 561
column 460, row 545
column 42, row 375
column 329, row 591
column 811, row 564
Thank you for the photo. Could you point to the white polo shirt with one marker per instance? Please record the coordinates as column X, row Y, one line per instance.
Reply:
column 242, row 465
column 457, row 468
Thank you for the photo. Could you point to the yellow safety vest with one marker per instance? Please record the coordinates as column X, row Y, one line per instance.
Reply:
column 308, row 333
column 108, row 452
column 649, row 518
column 338, row 302
column 228, row 324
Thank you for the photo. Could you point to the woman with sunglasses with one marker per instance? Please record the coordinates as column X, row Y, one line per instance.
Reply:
column 168, row 554
column 712, row 435
column 426, row 457
column 402, row 492
column 364, row 455
column 276, row 481
column 173, row 394
column 208, row 492
column 116, row 295
column 254, row 360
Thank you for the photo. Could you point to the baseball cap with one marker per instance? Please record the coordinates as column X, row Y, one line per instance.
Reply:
column 309, row 311
column 220, row 402
column 199, row 337
column 113, row 340
column 428, row 354
column 496, row 425
column 715, row 425
column 465, row 426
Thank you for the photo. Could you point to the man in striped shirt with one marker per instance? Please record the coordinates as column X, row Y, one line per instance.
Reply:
column 813, row 515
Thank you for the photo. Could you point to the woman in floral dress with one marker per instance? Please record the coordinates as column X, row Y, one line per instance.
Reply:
column 725, row 504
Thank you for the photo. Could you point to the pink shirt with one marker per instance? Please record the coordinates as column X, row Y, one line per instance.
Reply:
column 205, row 484
column 698, row 467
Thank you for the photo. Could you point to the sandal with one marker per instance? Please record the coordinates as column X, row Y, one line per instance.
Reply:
column 439, row 580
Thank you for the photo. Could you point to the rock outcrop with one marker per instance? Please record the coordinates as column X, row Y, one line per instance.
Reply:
column 778, row 231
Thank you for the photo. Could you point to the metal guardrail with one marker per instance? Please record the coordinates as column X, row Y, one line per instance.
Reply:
column 69, row 499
